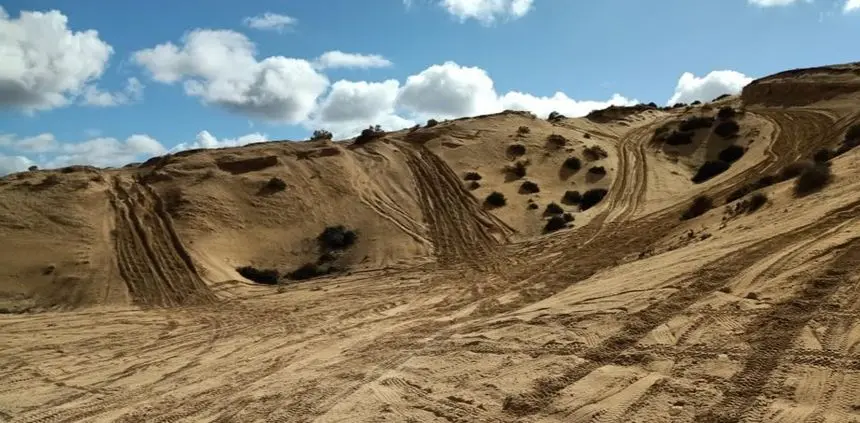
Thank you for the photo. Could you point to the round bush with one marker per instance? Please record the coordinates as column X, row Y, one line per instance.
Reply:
column 732, row 153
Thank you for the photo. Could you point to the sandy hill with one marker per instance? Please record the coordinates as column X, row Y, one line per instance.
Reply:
column 653, row 264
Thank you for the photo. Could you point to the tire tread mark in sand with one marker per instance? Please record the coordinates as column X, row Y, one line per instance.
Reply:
column 704, row 282
column 156, row 267
column 772, row 333
column 460, row 229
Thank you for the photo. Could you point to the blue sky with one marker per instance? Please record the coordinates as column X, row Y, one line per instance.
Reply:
column 106, row 82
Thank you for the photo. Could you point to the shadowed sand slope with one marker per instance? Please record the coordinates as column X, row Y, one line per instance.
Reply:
column 122, row 301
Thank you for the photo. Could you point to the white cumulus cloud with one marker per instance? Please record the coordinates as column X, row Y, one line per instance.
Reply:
column 132, row 93
column 339, row 59
column 205, row 139
column 851, row 5
column 99, row 151
column 691, row 87
column 11, row 164
column 449, row 90
column 352, row 106
column 270, row 22
column 45, row 64
column 220, row 67
column 487, row 11
column 772, row 3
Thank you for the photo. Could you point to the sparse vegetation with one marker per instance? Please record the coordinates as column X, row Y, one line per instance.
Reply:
column 473, row 176
column 732, row 153
column 33, row 168
column 262, row 276
column 591, row 198
column 794, row 170
column 822, row 155
column 756, row 201
column 695, row 122
column 698, row 207
column 556, row 141
column 722, row 97
column 532, row 206
column 597, row 170
column 518, row 170
column 321, row 134
column 813, row 179
column 370, row 134
column 568, row 217
column 727, row 129
column 473, row 185
column 709, row 170
column 572, row 164
column 496, row 199
column 586, row 136
column 679, row 138
column 726, row 113
column 677, row 105
column 529, row 187
column 595, row 152
column 696, row 103
column 852, row 140
column 553, row 209
column 516, row 150
column 335, row 238
column 275, row 185
column 431, row 123
column 555, row 116
column 555, row 223
column 523, row 130
column 571, row 197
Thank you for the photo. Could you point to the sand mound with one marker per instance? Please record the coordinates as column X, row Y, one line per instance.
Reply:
column 444, row 306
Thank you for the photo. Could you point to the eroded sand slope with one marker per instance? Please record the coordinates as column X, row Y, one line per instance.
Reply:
column 126, row 305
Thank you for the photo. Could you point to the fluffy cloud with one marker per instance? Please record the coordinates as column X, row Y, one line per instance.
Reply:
column 11, row 164
column 132, row 93
column 487, row 11
column 220, row 68
column 691, row 88
column 270, row 22
column 851, row 5
column 352, row 106
column 44, row 63
column 207, row 140
column 559, row 102
column 449, row 90
column 101, row 151
column 339, row 59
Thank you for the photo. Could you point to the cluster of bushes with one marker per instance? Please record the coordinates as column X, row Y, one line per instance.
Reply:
column 811, row 177
column 597, row 171
column 679, row 138
column 750, row 205
column 555, row 116
column 726, row 113
column 275, row 185
column 713, row 168
column 370, row 134
column 517, row 170
column 321, row 134
column 523, row 130
column 695, row 122
column 727, row 129
column 558, row 219
column 331, row 243
column 594, row 152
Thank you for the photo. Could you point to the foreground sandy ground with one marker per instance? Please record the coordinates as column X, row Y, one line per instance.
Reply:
column 632, row 316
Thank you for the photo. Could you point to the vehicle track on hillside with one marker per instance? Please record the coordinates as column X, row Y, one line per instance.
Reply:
column 156, row 267
column 701, row 283
column 461, row 230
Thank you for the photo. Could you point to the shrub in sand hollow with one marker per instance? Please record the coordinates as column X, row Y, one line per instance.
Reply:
column 709, row 170
column 529, row 187
column 732, row 153
column 496, row 199
column 262, row 276
column 572, row 164
column 571, row 197
column 695, row 122
column 517, row 170
column 516, row 150
column 727, row 129
column 700, row 206
column 591, row 198
column 555, row 223
column 813, row 179
column 473, row 176
column 553, row 209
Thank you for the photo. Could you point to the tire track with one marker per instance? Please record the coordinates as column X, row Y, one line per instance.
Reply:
column 152, row 260
column 705, row 281
column 461, row 231
column 771, row 334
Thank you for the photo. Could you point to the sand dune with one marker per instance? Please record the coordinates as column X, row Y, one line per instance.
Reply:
column 122, row 300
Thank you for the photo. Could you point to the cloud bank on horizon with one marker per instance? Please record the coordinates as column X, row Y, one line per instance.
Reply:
column 47, row 65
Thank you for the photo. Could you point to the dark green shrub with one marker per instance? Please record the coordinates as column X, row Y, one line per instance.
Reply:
column 679, row 138
column 571, row 197
column 591, row 198
column 727, row 129
column 496, row 199
column 529, row 187
column 554, row 223
column 321, row 134
column 572, row 164
column 522, row 130
column 695, row 122
column 262, row 276
column 756, row 201
column 594, row 153
column 335, row 238
column 517, row 170
column 556, row 141
column 699, row 206
column 432, row 122
column 516, row 150
column 726, row 113
column 370, row 134
column 732, row 153
column 473, row 176
column 553, row 209
column 812, row 180
column 709, row 170
column 822, row 155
